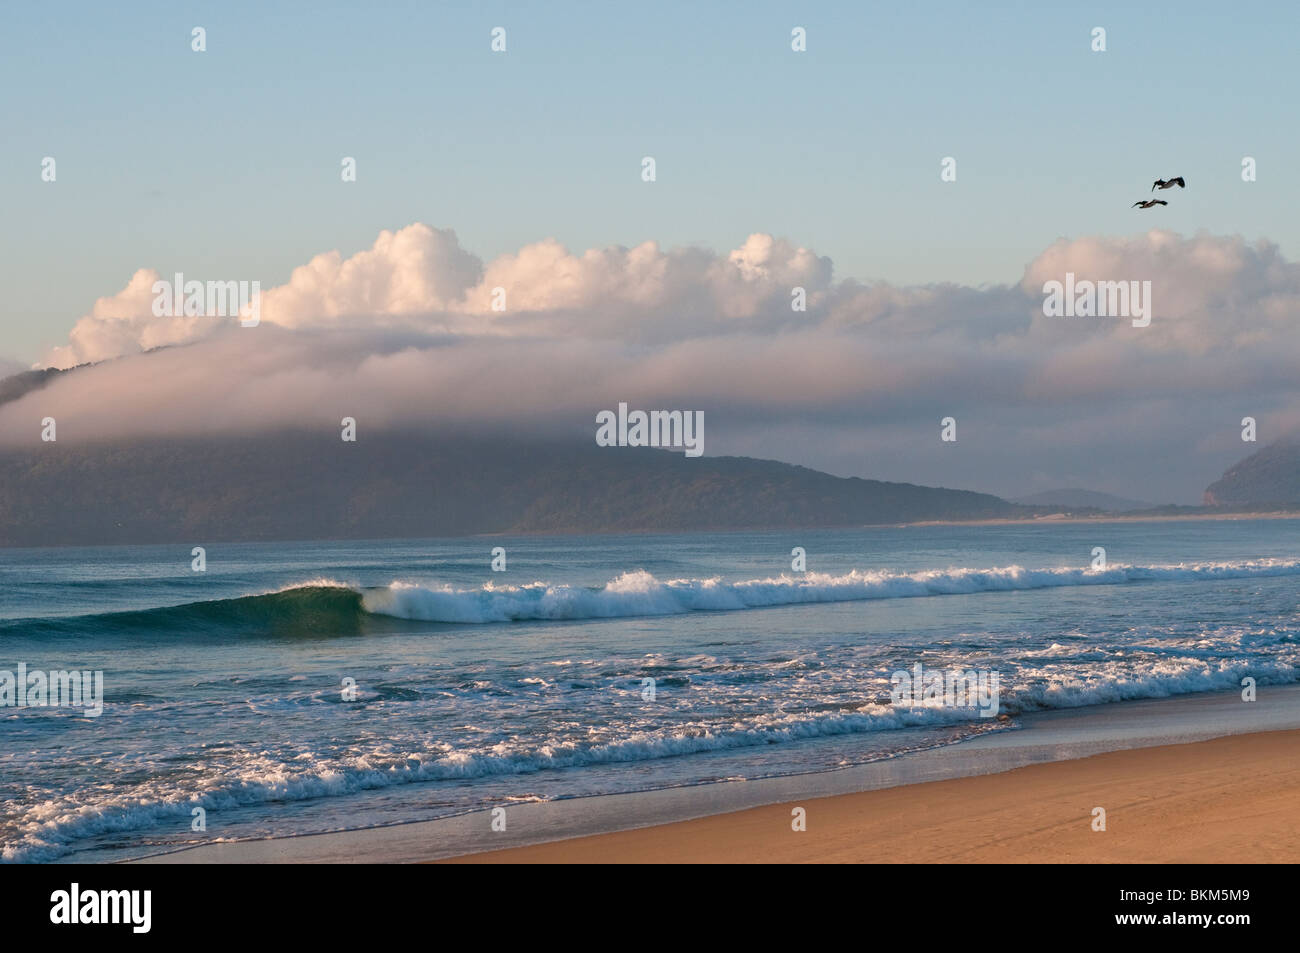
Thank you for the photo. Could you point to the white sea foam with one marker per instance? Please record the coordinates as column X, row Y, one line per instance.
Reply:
column 48, row 830
column 640, row 594
column 461, row 719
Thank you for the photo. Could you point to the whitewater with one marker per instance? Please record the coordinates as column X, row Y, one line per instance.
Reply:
column 639, row 593
column 597, row 665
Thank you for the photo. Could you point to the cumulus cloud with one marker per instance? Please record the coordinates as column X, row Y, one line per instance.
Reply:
column 419, row 278
column 405, row 334
column 413, row 271
column 123, row 324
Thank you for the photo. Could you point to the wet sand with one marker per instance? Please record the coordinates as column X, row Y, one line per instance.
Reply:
column 1229, row 800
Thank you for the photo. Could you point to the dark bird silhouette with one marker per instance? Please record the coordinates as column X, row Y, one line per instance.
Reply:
column 1169, row 183
column 1148, row 203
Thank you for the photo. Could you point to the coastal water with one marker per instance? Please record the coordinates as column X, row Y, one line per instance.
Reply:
column 301, row 687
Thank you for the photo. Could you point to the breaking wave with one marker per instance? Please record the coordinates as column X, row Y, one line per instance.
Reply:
column 325, row 607
column 641, row 594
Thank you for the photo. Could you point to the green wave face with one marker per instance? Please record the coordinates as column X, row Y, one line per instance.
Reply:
column 300, row 612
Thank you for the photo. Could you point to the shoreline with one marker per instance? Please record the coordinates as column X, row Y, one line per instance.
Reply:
column 1046, row 739
column 1227, row 800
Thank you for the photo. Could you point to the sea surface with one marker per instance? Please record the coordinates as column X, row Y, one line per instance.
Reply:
column 305, row 687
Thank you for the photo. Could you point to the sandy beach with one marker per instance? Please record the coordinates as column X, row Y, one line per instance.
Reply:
column 1228, row 800
column 1199, row 778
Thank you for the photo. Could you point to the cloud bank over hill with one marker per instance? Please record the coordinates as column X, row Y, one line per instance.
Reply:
column 405, row 334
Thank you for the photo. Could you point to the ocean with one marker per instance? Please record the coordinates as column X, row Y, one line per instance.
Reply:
column 304, row 687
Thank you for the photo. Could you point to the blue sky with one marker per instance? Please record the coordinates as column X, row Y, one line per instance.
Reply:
column 227, row 162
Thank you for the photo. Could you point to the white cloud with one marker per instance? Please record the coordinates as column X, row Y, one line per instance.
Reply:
column 410, row 272
column 419, row 278
column 124, row 323
column 403, row 334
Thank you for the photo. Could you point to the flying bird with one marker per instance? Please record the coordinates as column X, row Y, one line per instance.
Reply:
column 1169, row 183
column 1148, row 203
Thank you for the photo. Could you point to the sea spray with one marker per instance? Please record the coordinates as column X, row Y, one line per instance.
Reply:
column 639, row 593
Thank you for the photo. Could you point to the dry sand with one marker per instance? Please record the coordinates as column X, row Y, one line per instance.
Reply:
column 1232, row 800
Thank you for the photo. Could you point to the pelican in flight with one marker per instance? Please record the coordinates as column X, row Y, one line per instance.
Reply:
column 1169, row 183
column 1148, row 203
